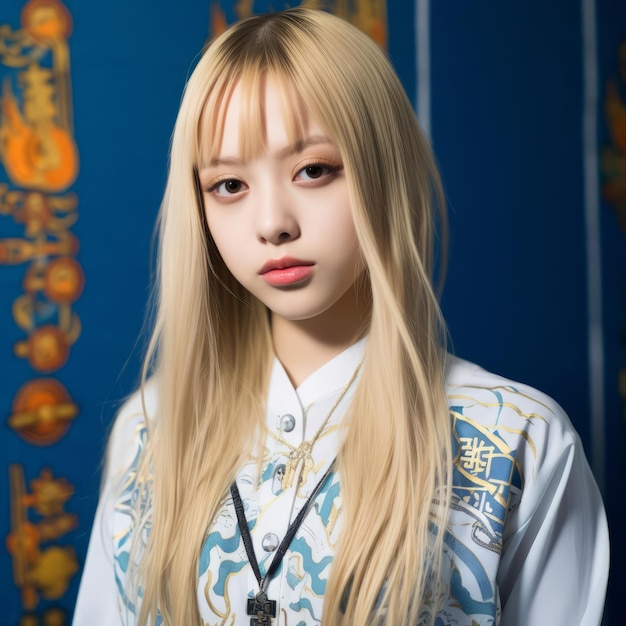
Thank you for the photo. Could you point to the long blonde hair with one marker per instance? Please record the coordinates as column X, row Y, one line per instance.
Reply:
column 211, row 348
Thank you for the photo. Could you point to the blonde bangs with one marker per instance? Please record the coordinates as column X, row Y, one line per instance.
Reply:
column 251, row 81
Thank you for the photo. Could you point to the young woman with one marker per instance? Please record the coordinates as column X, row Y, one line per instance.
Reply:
column 304, row 451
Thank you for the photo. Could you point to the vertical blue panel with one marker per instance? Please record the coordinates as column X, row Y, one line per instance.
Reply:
column 611, row 22
column 401, row 45
column 506, row 119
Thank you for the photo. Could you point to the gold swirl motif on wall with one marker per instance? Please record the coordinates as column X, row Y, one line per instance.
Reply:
column 39, row 157
column 40, row 572
column 614, row 155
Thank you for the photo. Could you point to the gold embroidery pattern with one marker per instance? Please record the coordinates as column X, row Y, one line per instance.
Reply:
column 485, row 470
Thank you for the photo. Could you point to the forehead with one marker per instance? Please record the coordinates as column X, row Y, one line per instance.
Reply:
column 254, row 115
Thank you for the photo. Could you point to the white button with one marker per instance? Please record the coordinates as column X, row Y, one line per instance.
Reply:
column 287, row 423
column 269, row 543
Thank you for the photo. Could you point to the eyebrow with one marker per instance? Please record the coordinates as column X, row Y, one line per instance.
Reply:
column 297, row 147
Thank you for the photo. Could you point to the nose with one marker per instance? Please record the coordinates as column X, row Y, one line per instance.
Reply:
column 277, row 222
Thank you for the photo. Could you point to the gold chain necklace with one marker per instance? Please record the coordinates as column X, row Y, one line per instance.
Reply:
column 303, row 453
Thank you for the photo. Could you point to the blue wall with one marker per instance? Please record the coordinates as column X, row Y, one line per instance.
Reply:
column 507, row 98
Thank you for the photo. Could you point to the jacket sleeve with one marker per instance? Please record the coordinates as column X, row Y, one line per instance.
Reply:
column 555, row 559
column 98, row 602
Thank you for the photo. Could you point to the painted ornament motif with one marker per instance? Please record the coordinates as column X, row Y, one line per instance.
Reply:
column 613, row 167
column 38, row 164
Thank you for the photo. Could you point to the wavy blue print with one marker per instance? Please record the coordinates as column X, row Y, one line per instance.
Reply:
column 328, row 495
column 310, row 566
column 304, row 604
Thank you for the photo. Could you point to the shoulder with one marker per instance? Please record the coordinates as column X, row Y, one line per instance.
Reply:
column 526, row 518
column 517, row 415
column 130, row 431
column 508, row 439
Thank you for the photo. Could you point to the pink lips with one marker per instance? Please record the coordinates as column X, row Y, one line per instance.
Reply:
column 286, row 271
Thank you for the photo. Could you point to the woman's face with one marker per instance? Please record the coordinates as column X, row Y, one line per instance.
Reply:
column 282, row 221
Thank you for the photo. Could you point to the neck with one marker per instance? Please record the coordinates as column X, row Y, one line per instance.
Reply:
column 303, row 346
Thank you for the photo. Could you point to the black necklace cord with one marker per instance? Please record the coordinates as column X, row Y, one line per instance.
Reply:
column 285, row 543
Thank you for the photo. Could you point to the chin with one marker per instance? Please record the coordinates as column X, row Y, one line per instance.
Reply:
column 302, row 306
column 303, row 311
column 296, row 316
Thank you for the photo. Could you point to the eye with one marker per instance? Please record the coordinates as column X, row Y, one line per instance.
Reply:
column 316, row 172
column 227, row 187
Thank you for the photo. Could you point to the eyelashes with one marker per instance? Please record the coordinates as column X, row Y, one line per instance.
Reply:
column 226, row 186
column 313, row 172
column 316, row 170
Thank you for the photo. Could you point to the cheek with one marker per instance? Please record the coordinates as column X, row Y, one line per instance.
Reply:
column 354, row 260
column 340, row 238
column 225, row 240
